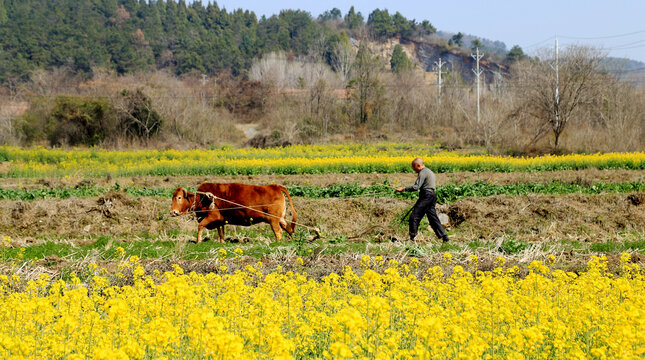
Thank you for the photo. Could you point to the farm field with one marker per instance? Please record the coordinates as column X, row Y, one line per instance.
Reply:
column 92, row 229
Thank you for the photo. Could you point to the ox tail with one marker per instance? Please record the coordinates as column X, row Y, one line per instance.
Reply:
column 293, row 211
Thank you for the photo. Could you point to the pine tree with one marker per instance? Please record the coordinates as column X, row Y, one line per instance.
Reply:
column 400, row 61
column 3, row 13
column 380, row 24
column 515, row 54
column 353, row 19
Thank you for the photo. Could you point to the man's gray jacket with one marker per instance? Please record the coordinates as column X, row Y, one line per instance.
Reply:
column 426, row 181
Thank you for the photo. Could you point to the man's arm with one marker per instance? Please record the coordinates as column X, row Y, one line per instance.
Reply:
column 417, row 184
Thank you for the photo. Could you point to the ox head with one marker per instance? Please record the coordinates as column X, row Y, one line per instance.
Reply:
column 181, row 201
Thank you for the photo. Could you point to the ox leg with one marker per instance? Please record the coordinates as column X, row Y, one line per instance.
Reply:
column 200, row 228
column 220, row 231
column 277, row 229
column 283, row 221
column 286, row 227
column 202, row 224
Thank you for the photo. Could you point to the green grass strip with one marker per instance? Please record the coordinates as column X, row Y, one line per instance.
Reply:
column 445, row 193
column 105, row 248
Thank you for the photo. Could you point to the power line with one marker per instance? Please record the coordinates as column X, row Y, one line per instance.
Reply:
column 622, row 71
column 627, row 48
column 540, row 42
column 618, row 47
column 603, row 37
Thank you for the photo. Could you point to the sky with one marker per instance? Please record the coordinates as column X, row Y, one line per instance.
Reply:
column 616, row 26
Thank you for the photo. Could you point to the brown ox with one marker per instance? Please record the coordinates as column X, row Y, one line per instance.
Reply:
column 235, row 204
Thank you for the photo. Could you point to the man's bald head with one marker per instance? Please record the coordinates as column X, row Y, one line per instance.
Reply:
column 417, row 164
column 417, row 161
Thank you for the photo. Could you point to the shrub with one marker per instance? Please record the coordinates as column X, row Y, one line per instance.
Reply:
column 79, row 121
column 137, row 118
column 31, row 125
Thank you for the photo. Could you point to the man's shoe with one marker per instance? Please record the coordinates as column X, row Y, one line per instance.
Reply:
column 445, row 239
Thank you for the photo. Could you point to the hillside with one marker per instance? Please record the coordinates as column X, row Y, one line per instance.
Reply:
column 129, row 35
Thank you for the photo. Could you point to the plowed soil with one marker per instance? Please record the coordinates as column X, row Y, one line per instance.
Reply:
column 532, row 217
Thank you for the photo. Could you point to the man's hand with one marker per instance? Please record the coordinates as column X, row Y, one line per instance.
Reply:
column 400, row 189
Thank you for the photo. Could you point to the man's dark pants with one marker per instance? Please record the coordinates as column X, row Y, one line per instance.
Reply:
column 426, row 206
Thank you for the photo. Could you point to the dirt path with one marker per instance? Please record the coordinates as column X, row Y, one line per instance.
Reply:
column 587, row 176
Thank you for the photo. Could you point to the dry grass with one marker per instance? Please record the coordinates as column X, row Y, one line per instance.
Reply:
column 539, row 217
column 531, row 218
column 319, row 264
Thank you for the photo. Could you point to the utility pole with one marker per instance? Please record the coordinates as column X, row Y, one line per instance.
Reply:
column 204, row 81
column 478, row 74
column 438, row 66
column 557, row 82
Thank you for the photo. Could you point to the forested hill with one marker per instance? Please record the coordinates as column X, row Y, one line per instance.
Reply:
column 130, row 35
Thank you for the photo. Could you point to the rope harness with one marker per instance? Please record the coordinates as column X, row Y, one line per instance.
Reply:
column 239, row 206
column 242, row 206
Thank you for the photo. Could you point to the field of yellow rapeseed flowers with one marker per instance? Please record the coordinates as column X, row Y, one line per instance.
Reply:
column 381, row 311
column 298, row 159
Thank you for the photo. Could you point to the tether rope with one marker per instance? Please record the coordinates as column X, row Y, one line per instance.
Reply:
column 212, row 196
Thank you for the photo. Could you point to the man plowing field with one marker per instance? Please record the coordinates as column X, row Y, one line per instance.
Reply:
column 425, row 184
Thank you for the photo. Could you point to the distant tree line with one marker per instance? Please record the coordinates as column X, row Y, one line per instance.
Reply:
column 132, row 35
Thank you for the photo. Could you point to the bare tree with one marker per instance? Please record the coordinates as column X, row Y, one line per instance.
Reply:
column 276, row 69
column 366, row 84
column 577, row 69
column 342, row 60
column 620, row 113
column 50, row 82
column 7, row 130
column 137, row 116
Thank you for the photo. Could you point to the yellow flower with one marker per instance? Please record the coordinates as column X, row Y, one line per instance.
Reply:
column 388, row 313
column 138, row 271
column 550, row 259
column 291, row 159
column 500, row 261
column 378, row 260
column 120, row 252
column 365, row 261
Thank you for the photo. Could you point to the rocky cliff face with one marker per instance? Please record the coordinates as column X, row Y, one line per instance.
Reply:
column 424, row 55
column 428, row 54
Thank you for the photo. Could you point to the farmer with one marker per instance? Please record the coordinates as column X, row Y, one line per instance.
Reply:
column 425, row 184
